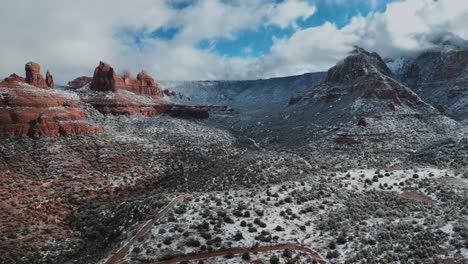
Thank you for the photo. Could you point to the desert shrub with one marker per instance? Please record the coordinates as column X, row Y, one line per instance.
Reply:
column 274, row 260
column 192, row 242
column 332, row 254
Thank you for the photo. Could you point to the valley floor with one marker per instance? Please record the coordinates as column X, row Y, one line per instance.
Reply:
column 80, row 199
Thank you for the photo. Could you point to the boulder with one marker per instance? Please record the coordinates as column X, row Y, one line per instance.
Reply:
column 33, row 75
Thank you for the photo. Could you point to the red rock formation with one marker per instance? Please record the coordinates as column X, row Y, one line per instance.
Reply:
column 13, row 80
column 119, row 104
column 105, row 79
column 79, row 82
column 33, row 75
column 49, row 80
column 147, row 85
column 32, row 112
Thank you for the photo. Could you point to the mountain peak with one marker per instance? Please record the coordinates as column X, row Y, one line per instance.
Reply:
column 446, row 40
column 359, row 63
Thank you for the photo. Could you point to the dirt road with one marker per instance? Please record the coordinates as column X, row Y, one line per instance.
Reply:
column 238, row 251
column 120, row 254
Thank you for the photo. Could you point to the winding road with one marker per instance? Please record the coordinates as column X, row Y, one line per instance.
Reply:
column 238, row 251
column 120, row 254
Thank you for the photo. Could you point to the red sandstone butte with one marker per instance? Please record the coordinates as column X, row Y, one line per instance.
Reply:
column 33, row 75
column 33, row 111
column 105, row 79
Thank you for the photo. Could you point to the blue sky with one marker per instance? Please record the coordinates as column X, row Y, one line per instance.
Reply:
column 258, row 41
column 216, row 39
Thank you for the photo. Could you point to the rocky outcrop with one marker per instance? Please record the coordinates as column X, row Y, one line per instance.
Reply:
column 13, row 80
column 440, row 77
column 360, row 94
column 49, row 80
column 359, row 63
column 118, row 104
column 79, row 82
column 366, row 75
column 105, row 79
column 38, row 113
column 146, row 85
column 33, row 75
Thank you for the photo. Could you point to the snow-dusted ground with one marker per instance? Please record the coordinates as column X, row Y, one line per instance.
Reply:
column 295, row 213
column 391, row 180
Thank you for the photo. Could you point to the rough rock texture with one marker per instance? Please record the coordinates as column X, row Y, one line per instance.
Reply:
column 360, row 97
column 119, row 104
column 126, row 103
column 105, row 79
column 13, row 80
column 365, row 75
column 440, row 77
column 359, row 63
column 32, row 112
column 33, row 75
column 80, row 82
column 49, row 80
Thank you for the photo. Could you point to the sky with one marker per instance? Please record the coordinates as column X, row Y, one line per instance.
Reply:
column 214, row 39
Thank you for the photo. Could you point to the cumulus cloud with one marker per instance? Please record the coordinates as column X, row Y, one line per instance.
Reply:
column 71, row 37
column 286, row 13
column 395, row 32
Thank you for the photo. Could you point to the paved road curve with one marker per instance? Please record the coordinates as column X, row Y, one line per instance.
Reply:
column 120, row 254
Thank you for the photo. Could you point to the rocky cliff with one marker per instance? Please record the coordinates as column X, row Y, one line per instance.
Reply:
column 105, row 79
column 29, row 109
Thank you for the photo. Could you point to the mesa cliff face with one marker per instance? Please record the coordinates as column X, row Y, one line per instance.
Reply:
column 127, row 96
column 33, row 112
column 27, row 110
column 105, row 79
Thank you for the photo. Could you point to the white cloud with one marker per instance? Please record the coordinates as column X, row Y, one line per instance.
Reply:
column 71, row 37
column 286, row 13
column 391, row 33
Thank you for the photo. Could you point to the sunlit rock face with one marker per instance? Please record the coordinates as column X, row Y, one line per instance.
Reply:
column 105, row 79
